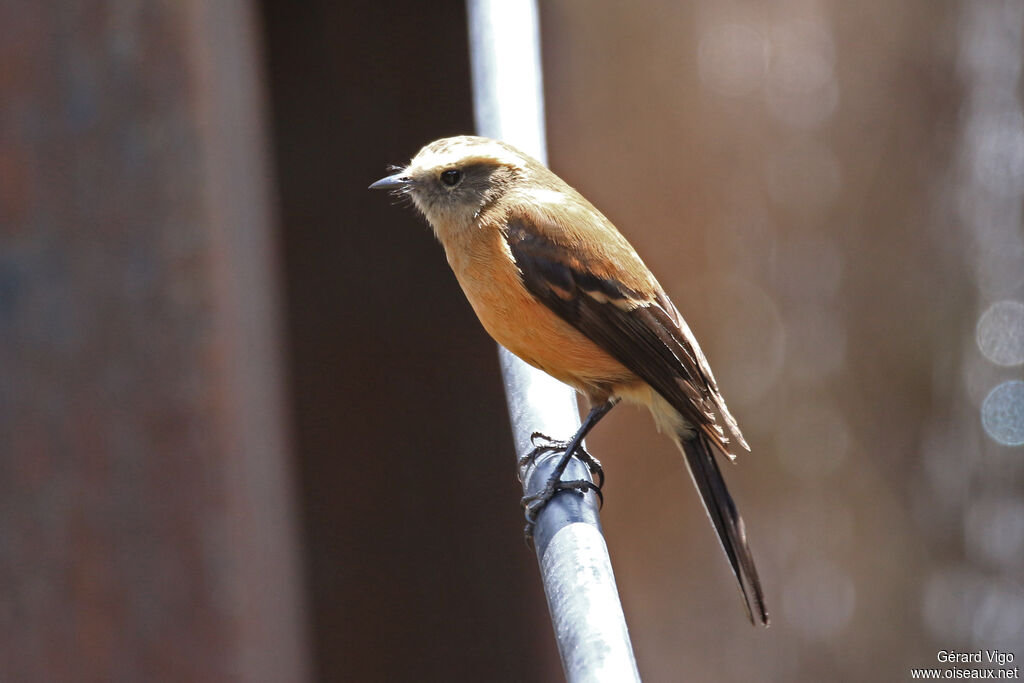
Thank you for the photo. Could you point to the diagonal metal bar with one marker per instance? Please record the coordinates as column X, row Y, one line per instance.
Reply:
column 586, row 613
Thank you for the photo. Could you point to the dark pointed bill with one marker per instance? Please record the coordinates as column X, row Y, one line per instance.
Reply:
column 391, row 182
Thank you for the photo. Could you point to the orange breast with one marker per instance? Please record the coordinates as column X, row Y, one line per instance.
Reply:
column 524, row 325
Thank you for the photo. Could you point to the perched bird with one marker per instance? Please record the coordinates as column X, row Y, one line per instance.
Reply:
column 555, row 283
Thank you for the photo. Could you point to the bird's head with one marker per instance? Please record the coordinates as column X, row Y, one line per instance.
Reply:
column 453, row 180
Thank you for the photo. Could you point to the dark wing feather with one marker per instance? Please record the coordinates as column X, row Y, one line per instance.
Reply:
column 642, row 330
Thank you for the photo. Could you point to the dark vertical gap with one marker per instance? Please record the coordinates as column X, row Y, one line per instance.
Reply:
column 414, row 565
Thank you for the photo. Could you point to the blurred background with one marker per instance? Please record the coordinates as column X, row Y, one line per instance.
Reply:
column 251, row 431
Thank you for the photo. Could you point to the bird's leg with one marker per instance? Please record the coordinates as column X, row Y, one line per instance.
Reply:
column 533, row 504
column 548, row 445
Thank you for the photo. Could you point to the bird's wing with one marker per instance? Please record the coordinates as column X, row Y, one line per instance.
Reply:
column 636, row 324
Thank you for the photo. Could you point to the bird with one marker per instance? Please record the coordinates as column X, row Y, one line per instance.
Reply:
column 553, row 281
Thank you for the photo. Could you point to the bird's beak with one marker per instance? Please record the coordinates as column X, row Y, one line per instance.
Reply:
column 392, row 182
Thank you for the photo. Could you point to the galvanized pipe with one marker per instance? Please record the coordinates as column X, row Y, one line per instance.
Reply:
column 586, row 613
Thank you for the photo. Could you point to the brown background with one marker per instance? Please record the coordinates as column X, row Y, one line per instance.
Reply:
column 250, row 429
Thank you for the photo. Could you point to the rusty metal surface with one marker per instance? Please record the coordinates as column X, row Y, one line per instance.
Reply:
column 145, row 520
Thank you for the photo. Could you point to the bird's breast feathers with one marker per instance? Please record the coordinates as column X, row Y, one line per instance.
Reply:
column 519, row 321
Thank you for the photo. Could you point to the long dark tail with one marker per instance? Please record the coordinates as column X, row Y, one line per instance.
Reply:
column 700, row 459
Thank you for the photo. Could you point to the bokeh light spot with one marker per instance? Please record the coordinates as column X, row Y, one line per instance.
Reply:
column 999, row 615
column 803, row 55
column 1002, row 413
column 971, row 607
column 732, row 58
column 800, row 88
column 1000, row 333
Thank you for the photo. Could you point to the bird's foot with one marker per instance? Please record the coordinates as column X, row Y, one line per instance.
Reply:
column 532, row 505
column 543, row 443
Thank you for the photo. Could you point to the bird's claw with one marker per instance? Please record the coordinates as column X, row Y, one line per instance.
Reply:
column 542, row 443
column 532, row 505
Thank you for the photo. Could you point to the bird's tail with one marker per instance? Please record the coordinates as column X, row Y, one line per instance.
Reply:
column 700, row 460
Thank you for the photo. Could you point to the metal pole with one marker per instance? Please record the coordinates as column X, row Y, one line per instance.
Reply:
column 577, row 573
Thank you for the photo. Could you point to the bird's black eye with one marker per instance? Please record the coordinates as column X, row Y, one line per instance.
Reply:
column 451, row 177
